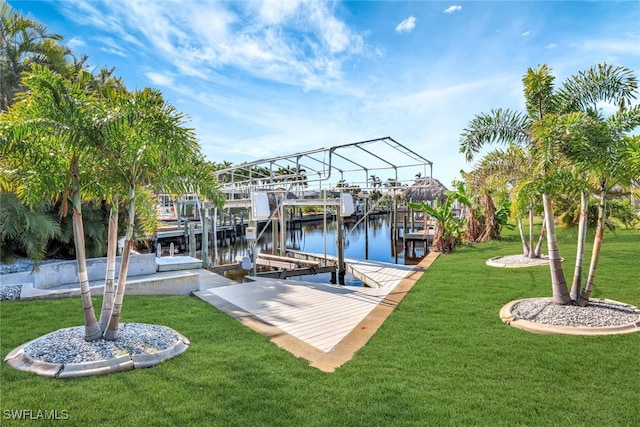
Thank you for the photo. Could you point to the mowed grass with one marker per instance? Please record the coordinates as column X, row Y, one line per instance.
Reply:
column 442, row 358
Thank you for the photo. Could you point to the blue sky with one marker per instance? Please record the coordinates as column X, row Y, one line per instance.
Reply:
column 263, row 79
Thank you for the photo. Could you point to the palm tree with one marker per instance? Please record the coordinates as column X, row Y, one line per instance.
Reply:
column 23, row 42
column 515, row 128
column 508, row 172
column 50, row 134
column 223, row 177
column 486, row 180
column 392, row 183
column 147, row 145
column 555, row 132
column 601, row 149
column 263, row 174
column 473, row 217
column 633, row 150
column 296, row 175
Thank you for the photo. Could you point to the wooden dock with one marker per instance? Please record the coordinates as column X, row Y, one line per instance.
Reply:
column 421, row 235
column 290, row 266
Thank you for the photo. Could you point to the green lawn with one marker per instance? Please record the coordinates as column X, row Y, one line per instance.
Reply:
column 442, row 358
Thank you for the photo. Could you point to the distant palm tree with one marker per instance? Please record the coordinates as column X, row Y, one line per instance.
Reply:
column 223, row 177
column 261, row 174
column 300, row 178
column 23, row 42
column 392, row 183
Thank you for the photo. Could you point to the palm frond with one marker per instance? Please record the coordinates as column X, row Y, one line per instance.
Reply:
column 498, row 126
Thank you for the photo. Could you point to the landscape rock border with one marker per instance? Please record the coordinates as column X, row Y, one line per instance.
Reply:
column 540, row 328
column 20, row 360
column 517, row 261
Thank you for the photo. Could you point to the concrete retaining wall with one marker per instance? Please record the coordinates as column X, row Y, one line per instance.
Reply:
column 167, row 283
column 16, row 278
column 66, row 272
column 170, row 283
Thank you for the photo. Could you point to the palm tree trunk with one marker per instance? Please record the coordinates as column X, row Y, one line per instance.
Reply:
column 558, row 282
column 112, row 248
column 112, row 329
column 473, row 229
column 595, row 253
column 92, row 330
column 537, row 253
column 523, row 239
column 438, row 244
column 582, row 237
column 531, row 252
column 491, row 228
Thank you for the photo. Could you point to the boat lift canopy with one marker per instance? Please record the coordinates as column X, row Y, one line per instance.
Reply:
column 308, row 170
column 297, row 179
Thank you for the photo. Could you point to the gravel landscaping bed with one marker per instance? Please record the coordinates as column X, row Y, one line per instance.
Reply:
column 597, row 314
column 513, row 261
column 521, row 259
column 68, row 345
column 10, row 292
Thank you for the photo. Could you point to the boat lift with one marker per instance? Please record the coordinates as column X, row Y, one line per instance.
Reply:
column 248, row 184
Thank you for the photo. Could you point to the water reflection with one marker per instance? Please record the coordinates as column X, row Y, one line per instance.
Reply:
column 371, row 240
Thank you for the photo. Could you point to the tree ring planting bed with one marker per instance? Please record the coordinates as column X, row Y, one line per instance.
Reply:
column 599, row 317
column 517, row 261
column 65, row 354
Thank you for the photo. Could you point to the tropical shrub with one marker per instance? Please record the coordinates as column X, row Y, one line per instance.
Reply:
column 25, row 233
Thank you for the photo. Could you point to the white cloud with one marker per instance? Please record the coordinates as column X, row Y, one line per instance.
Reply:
column 290, row 42
column 551, row 46
column 453, row 8
column 160, row 79
column 75, row 43
column 526, row 33
column 112, row 46
column 628, row 47
column 336, row 35
column 276, row 12
column 406, row 25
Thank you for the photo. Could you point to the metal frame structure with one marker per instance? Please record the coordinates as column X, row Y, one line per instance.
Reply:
column 319, row 166
column 302, row 173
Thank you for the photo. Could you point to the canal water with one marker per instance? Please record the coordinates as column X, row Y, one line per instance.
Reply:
column 366, row 240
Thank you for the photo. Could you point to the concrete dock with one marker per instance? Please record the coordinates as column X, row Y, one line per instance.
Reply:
column 322, row 323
